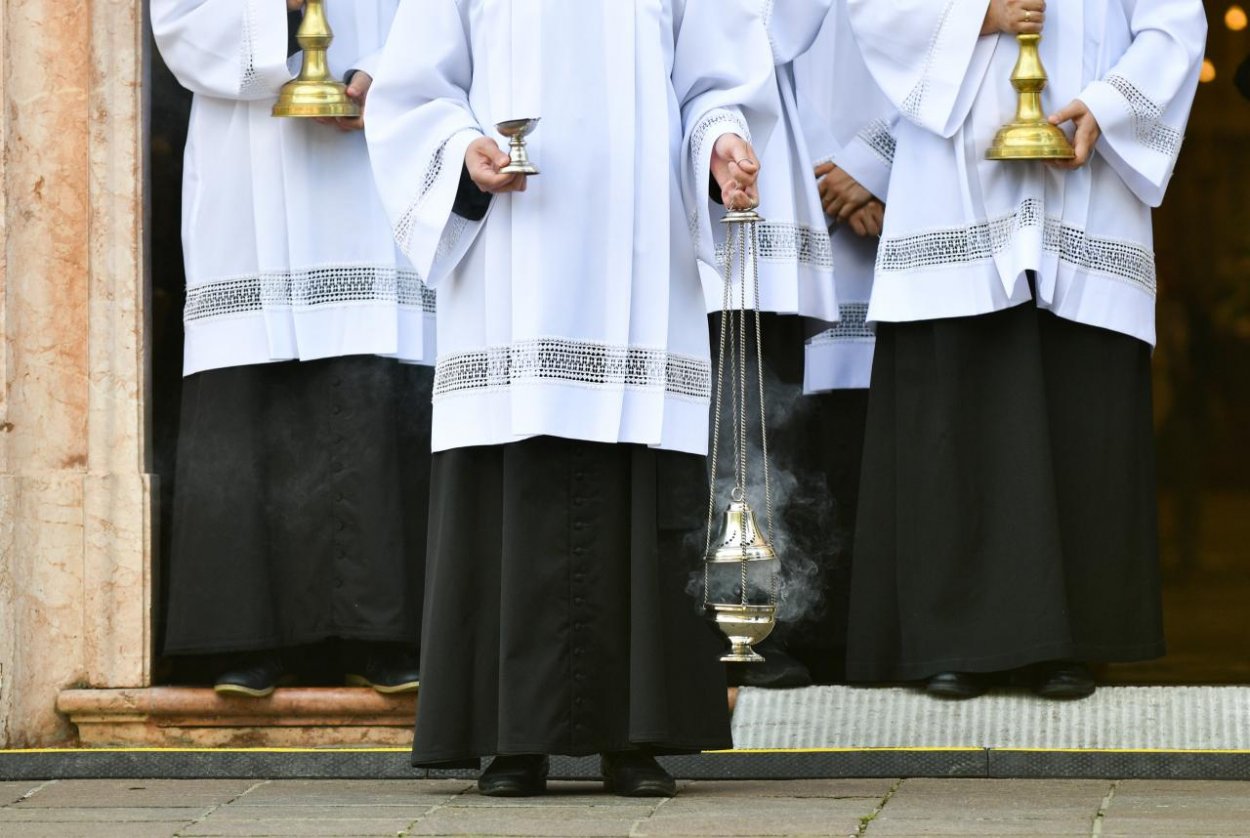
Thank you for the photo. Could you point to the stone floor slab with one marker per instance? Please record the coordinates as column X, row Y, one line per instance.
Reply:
column 758, row 816
column 94, row 830
column 254, row 827
column 590, row 822
column 833, row 789
column 12, row 791
column 942, row 826
column 353, row 792
column 125, row 794
column 71, row 814
column 559, row 795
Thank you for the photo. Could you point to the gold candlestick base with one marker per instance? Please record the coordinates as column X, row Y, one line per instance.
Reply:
column 1030, row 136
column 315, row 93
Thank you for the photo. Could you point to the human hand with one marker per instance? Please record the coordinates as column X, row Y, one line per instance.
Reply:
column 737, row 171
column 840, row 194
column 358, row 92
column 1085, row 137
column 868, row 220
column 483, row 159
column 1015, row 17
column 294, row 5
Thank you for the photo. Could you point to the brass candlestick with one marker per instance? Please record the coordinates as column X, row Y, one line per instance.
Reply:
column 516, row 130
column 315, row 93
column 1030, row 136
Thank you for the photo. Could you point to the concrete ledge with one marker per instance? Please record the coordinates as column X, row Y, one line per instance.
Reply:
column 183, row 717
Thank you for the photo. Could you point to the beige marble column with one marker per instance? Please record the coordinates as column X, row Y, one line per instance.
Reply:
column 76, row 496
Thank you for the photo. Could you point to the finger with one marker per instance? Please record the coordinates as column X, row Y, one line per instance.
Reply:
column 501, row 160
column 823, row 169
column 857, row 224
column 1067, row 113
column 830, row 210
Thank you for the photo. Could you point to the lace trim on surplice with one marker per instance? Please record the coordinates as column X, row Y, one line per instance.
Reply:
column 574, row 362
column 326, row 286
column 852, row 326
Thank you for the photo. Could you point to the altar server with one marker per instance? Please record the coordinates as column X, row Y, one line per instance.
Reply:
column 304, row 436
column 573, row 372
column 1007, row 519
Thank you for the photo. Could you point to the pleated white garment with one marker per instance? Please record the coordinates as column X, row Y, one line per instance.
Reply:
column 850, row 122
column 288, row 251
column 573, row 309
column 796, row 266
column 961, row 231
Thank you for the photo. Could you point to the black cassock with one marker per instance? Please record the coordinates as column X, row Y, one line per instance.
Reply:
column 1007, row 510
column 299, row 505
column 557, row 618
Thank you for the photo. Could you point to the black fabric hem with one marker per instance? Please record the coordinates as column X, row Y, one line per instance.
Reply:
column 224, row 648
column 472, row 757
column 874, row 672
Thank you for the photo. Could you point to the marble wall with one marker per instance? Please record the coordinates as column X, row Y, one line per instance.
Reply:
column 75, row 484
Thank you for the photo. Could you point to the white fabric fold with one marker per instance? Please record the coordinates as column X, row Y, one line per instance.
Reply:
column 287, row 246
column 572, row 309
column 961, row 231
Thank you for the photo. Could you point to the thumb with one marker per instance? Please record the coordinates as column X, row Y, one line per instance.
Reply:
column 502, row 160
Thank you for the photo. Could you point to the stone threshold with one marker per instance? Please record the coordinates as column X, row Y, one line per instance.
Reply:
column 197, row 717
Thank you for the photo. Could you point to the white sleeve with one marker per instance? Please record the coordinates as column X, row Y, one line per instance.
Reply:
column 869, row 156
column 419, row 127
column 229, row 49
column 725, row 79
column 928, row 56
column 1143, row 103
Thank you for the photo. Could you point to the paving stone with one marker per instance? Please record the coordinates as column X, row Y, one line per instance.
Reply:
column 363, row 827
column 354, row 792
column 758, row 816
column 94, row 830
column 942, row 825
column 1018, row 789
column 73, row 814
column 559, row 794
column 792, row 788
column 1156, row 827
column 588, row 821
column 137, row 793
column 11, row 791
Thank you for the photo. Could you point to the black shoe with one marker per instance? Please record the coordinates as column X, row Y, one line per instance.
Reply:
column 390, row 668
column 636, row 774
column 520, row 775
column 254, row 675
column 778, row 670
column 1063, row 680
column 957, row 685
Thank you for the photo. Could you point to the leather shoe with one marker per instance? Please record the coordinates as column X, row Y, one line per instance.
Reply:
column 778, row 671
column 390, row 668
column 957, row 685
column 254, row 675
column 1064, row 680
column 515, row 775
column 636, row 774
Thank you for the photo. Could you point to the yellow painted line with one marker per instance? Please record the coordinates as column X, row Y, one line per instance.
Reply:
column 740, row 751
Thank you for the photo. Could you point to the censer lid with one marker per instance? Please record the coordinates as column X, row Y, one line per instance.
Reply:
column 739, row 538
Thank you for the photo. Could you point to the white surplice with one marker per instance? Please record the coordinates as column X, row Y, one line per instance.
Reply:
column 289, row 254
column 573, row 309
column 848, row 121
column 961, row 232
column 796, row 266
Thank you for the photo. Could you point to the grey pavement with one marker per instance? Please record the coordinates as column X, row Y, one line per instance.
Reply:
column 917, row 807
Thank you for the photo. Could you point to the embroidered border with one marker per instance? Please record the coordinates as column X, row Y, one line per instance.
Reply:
column 307, row 289
column 915, row 99
column 408, row 221
column 785, row 242
column 1152, row 131
column 964, row 245
column 852, row 326
column 876, row 135
column 580, row 363
column 248, row 76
